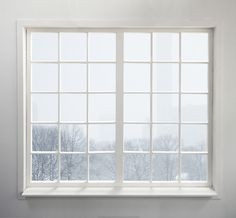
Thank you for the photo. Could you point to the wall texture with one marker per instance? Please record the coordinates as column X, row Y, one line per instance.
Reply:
column 222, row 12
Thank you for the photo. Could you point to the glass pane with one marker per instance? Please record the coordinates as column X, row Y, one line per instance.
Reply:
column 165, row 47
column 136, row 137
column 102, row 167
column 102, row 77
column 73, row 46
column 136, row 107
column 165, row 167
column 44, row 107
column 73, row 107
column 194, row 108
column 73, row 167
column 194, row 77
column 136, row 77
column 102, row 107
column 44, row 78
column 44, row 46
column 73, row 77
column 165, row 77
column 102, row 137
column 136, row 167
column 44, row 167
column 102, row 47
column 165, row 137
column 194, row 47
column 44, row 137
column 137, row 46
column 194, row 167
column 73, row 137
column 165, row 108
column 194, row 138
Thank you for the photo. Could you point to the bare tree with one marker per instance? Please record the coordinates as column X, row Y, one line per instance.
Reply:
column 44, row 166
column 103, row 166
column 73, row 166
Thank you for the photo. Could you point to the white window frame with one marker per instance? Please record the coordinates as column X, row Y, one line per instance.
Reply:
column 25, row 188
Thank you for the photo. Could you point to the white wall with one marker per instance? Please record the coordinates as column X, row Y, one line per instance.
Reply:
column 223, row 12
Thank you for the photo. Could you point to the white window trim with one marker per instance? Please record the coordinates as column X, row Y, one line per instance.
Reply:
column 24, row 190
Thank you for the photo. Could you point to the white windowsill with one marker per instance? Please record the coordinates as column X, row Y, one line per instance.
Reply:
column 119, row 192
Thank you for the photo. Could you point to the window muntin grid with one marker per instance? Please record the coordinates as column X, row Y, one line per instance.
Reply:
column 171, row 104
column 74, row 106
column 177, row 92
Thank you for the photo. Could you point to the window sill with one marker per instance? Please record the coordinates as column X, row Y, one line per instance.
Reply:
column 120, row 192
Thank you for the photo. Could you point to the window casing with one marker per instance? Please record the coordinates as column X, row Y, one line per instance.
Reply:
column 124, row 95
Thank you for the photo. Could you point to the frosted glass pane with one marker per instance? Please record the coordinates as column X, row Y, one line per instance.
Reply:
column 73, row 167
column 44, row 78
column 165, row 77
column 136, row 107
column 136, row 167
column 165, row 108
column 102, row 77
column 194, row 167
column 102, row 47
column 194, row 108
column 73, row 77
column 102, row 107
column 44, row 167
column 136, row 77
column 194, row 137
column 73, row 46
column 73, row 137
column 165, row 47
column 136, row 137
column 194, row 47
column 102, row 167
column 44, row 137
column 44, row 107
column 165, row 167
column 137, row 46
column 194, row 77
column 73, row 107
column 44, row 46
column 101, row 137
column 165, row 137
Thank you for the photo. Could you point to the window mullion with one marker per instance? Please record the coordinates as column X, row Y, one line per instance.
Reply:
column 179, row 132
column 87, row 105
column 119, row 108
column 59, row 109
column 151, row 119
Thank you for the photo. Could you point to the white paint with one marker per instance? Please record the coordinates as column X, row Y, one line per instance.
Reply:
column 128, row 12
column 119, row 192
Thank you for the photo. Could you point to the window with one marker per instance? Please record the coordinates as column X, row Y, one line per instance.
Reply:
column 118, row 108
